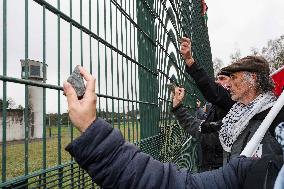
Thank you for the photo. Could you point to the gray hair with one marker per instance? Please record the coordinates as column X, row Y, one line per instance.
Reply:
column 263, row 81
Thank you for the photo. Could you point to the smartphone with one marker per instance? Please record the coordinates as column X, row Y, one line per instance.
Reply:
column 77, row 82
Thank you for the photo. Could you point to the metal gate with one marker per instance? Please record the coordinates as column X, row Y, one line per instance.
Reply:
column 131, row 47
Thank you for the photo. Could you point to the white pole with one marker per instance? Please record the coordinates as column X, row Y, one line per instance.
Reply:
column 277, row 71
column 259, row 134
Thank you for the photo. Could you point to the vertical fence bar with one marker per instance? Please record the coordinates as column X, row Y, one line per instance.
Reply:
column 82, row 63
column 127, row 71
column 122, row 72
column 136, row 78
column 99, row 59
column 90, row 38
column 161, row 68
column 70, row 71
column 111, row 62
column 81, row 172
column 81, row 35
column 144, row 76
column 58, row 122
column 138, row 5
column 106, row 61
column 131, row 80
column 44, row 98
column 117, row 69
column 148, row 94
column 26, row 116
column 4, row 103
column 90, row 41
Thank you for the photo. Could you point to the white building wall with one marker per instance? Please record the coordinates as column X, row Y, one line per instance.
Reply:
column 14, row 127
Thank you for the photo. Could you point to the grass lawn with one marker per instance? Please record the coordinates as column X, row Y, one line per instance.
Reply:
column 15, row 151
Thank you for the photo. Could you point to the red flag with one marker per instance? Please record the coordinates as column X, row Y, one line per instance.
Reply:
column 278, row 79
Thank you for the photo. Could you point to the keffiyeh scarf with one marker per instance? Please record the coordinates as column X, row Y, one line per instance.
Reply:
column 239, row 116
column 279, row 132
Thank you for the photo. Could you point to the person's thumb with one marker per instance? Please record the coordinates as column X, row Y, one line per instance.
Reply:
column 70, row 93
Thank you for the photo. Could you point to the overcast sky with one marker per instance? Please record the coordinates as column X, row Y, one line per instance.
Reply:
column 243, row 24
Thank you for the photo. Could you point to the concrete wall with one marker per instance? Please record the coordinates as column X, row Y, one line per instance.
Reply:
column 15, row 118
column 15, row 129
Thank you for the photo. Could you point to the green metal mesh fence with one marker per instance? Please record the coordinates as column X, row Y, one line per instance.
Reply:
column 131, row 47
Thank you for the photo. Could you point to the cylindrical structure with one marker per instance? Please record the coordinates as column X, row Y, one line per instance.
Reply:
column 35, row 73
column 36, row 111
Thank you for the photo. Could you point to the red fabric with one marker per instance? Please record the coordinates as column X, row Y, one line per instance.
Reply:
column 278, row 79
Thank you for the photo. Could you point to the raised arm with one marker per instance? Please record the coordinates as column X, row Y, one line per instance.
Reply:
column 189, row 123
column 211, row 91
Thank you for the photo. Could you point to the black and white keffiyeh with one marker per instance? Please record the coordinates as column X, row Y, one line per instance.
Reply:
column 279, row 132
column 239, row 116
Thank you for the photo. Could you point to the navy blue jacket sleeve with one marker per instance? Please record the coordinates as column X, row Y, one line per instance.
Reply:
column 189, row 123
column 193, row 125
column 211, row 91
column 200, row 114
column 114, row 163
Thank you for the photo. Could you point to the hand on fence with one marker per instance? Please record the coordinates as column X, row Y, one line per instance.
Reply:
column 185, row 50
column 82, row 112
column 178, row 96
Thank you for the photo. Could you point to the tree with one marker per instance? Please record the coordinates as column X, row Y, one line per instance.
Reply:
column 217, row 65
column 254, row 51
column 52, row 117
column 236, row 56
column 64, row 119
column 274, row 52
column 10, row 103
column 20, row 107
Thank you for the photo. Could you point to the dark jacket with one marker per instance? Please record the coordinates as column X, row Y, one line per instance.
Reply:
column 212, row 92
column 114, row 163
column 269, row 143
column 210, row 152
column 198, row 127
column 200, row 113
